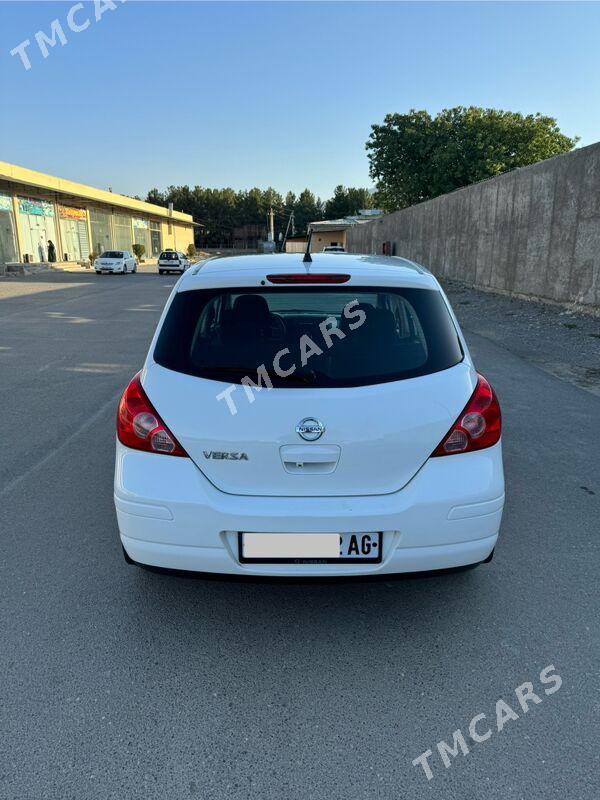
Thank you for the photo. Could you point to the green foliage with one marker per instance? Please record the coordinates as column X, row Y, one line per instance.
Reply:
column 156, row 197
column 307, row 209
column 347, row 201
column 414, row 157
column 139, row 250
column 222, row 210
column 191, row 250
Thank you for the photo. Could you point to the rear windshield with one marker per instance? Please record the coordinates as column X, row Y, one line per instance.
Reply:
column 317, row 337
column 112, row 254
column 169, row 256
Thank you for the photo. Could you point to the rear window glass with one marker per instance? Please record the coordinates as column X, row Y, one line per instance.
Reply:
column 169, row 256
column 317, row 337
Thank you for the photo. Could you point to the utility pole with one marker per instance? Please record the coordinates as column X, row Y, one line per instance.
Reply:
column 271, row 225
column 173, row 229
column 290, row 224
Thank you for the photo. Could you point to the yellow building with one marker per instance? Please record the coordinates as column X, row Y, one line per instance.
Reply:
column 36, row 209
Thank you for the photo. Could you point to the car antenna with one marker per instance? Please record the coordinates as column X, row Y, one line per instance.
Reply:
column 307, row 259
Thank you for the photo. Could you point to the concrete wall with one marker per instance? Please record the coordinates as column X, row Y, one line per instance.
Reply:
column 534, row 231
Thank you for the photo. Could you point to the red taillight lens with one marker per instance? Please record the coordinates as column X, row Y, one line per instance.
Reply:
column 140, row 427
column 308, row 277
column 478, row 426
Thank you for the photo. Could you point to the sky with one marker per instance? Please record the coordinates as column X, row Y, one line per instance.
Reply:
column 276, row 94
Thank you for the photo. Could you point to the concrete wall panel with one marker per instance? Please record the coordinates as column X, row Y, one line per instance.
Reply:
column 534, row 231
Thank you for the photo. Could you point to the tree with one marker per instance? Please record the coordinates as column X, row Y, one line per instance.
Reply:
column 156, row 197
column 346, row 202
column 222, row 210
column 218, row 210
column 414, row 157
column 308, row 209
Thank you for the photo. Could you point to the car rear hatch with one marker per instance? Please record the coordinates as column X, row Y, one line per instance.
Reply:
column 359, row 414
column 375, row 439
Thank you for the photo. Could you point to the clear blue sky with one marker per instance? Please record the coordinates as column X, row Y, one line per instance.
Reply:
column 281, row 94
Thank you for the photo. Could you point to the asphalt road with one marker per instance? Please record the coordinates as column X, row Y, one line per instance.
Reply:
column 120, row 683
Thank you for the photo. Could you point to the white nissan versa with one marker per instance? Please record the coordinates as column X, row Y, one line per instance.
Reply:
column 320, row 418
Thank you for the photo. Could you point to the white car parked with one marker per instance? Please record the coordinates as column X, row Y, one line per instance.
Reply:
column 334, row 248
column 116, row 261
column 173, row 261
column 308, row 419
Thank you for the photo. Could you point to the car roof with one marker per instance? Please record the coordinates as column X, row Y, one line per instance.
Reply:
column 364, row 270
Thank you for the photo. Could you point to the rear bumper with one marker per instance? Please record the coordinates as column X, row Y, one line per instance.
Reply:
column 170, row 516
column 224, row 561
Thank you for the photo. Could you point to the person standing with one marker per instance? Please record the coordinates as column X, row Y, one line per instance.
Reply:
column 51, row 251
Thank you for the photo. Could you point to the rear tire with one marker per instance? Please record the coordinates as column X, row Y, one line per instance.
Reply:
column 98, row 272
column 161, row 272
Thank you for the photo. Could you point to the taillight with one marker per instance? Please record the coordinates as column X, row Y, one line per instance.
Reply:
column 478, row 426
column 140, row 427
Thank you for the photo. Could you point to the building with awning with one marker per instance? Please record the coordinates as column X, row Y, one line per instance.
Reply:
column 79, row 220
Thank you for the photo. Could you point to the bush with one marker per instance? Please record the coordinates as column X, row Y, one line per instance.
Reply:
column 191, row 250
column 139, row 250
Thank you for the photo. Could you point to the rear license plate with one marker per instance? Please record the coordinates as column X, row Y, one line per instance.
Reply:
column 309, row 548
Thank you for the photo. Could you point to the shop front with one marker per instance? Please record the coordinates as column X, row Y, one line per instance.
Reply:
column 155, row 238
column 101, row 230
column 123, row 232
column 81, row 221
column 8, row 245
column 73, row 233
column 37, row 227
column 141, row 234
